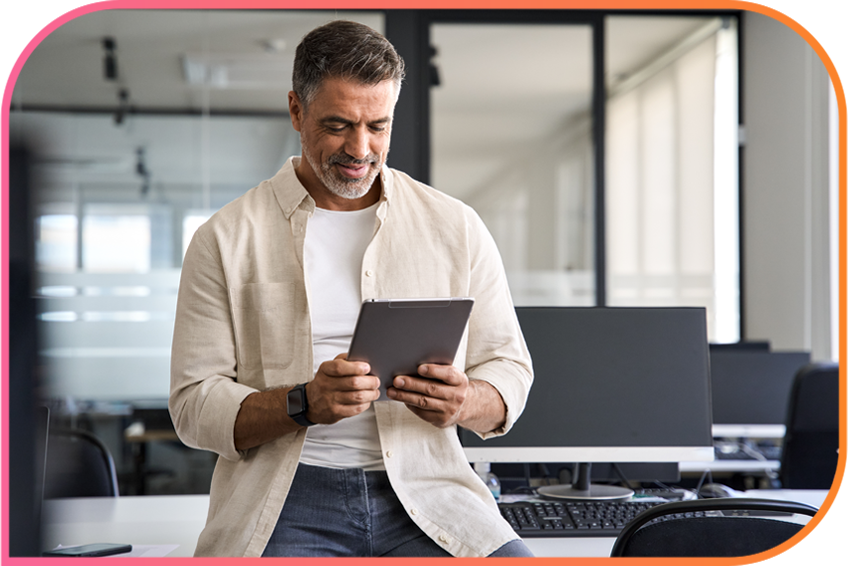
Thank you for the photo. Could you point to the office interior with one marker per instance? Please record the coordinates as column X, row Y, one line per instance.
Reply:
column 620, row 159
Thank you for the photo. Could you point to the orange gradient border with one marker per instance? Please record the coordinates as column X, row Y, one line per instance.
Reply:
column 437, row 4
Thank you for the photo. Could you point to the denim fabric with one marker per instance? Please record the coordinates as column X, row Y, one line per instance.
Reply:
column 350, row 512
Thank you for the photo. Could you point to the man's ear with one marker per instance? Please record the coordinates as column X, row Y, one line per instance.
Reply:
column 296, row 111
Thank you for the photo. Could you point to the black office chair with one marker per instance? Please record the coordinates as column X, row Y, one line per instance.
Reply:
column 78, row 465
column 695, row 530
column 810, row 447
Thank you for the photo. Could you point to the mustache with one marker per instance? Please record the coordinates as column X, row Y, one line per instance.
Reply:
column 345, row 159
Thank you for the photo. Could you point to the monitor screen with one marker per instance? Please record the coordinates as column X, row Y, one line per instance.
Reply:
column 750, row 390
column 612, row 384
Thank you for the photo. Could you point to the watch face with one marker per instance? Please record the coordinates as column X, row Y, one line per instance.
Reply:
column 295, row 401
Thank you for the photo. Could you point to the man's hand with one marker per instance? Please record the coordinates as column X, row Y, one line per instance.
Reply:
column 340, row 389
column 438, row 400
column 448, row 397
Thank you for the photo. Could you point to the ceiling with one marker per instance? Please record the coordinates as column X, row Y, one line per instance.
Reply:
column 255, row 47
column 246, row 59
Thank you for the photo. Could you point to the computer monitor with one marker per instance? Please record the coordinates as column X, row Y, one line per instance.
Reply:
column 758, row 345
column 750, row 391
column 612, row 384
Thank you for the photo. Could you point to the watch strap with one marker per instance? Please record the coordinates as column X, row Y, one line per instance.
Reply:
column 300, row 417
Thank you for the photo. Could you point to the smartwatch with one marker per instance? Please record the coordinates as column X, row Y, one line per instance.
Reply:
column 297, row 405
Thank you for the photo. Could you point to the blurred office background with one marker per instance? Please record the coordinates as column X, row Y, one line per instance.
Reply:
column 655, row 159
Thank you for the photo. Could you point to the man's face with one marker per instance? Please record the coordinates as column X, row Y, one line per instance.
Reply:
column 345, row 137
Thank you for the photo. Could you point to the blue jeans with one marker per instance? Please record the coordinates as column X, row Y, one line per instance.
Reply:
column 350, row 512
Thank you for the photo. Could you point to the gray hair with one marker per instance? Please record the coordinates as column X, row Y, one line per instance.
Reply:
column 345, row 50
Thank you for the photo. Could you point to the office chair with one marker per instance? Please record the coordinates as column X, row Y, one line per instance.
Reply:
column 699, row 533
column 810, row 447
column 78, row 465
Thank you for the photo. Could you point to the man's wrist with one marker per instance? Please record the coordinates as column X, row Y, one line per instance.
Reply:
column 297, row 405
column 484, row 409
column 463, row 417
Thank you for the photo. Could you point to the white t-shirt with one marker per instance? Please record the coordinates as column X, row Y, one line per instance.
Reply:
column 333, row 249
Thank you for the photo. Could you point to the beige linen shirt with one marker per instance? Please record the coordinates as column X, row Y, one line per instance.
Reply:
column 243, row 325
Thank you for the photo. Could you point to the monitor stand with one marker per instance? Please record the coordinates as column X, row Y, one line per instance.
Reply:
column 583, row 490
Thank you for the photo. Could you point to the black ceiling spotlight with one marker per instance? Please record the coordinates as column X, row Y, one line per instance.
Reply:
column 110, row 60
column 141, row 170
column 435, row 79
column 123, row 106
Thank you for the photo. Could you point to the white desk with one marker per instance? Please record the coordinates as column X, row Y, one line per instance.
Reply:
column 178, row 519
column 137, row 520
column 740, row 466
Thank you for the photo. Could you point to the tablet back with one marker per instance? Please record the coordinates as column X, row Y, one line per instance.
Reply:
column 395, row 336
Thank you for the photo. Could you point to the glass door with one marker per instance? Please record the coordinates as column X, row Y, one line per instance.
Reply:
column 511, row 135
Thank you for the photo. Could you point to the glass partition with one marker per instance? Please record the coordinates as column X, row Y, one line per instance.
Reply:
column 511, row 136
column 672, row 189
column 127, row 167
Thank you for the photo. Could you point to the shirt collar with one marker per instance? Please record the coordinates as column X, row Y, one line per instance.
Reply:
column 387, row 181
column 291, row 194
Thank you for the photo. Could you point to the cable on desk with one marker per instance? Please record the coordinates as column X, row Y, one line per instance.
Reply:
column 621, row 476
column 704, row 475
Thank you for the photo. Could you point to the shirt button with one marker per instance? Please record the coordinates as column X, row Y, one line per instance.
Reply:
column 413, row 511
column 369, row 273
column 444, row 539
column 389, row 454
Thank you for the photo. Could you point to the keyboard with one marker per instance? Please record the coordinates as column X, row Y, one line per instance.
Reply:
column 571, row 519
column 534, row 519
column 769, row 453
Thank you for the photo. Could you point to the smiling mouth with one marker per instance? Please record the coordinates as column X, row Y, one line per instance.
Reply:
column 353, row 171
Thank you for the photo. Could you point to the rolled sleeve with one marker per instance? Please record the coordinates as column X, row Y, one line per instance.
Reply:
column 497, row 353
column 512, row 381
column 205, row 396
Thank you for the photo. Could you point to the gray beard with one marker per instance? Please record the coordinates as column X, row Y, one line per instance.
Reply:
column 346, row 188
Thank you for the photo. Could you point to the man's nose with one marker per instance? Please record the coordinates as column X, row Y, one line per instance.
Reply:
column 356, row 144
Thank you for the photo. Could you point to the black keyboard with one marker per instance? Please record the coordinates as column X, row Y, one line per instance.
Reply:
column 769, row 453
column 532, row 519
column 571, row 519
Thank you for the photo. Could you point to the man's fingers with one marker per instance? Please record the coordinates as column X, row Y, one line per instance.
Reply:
column 445, row 373
column 340, row 367
column 351, row 383
column 428, row 387
column 416, row 400
column 370, row 383
column 436, row 395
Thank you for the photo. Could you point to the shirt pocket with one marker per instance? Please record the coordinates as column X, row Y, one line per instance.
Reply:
column 264, row 324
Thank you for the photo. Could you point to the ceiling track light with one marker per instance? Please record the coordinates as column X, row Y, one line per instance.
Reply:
column 435, row 76
column 142, row 171
column 110, row 60
column 123, row 106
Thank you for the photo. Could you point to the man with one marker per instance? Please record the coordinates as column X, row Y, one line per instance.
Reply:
column 309, row 464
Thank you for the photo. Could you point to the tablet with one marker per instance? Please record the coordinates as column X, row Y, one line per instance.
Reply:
column 89, row 550
column 395, row 336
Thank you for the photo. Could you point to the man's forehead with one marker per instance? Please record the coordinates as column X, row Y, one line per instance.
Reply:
column 350, row 89
column 347, row 100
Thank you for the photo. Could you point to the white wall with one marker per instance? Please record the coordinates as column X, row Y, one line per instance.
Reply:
column 785, row 190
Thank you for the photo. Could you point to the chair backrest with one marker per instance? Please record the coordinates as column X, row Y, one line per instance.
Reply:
column 78, row 465
column 809, row 457
column 691, row 535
